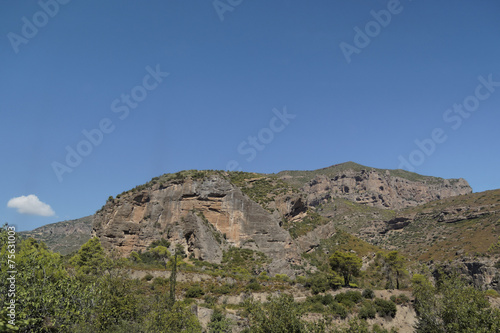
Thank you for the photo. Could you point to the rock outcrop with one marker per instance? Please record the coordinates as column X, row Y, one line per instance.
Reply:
column 205, row 216
column 483, row 273
column 382, row 189
column 208, row 212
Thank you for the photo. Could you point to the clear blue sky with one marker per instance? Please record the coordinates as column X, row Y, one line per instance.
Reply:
column 85, row 58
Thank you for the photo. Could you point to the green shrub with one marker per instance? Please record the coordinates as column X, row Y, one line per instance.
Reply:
column 160, row 281
column 349, row 298
column 253, row 285
column 219, row 323
column 279, row 314
column 339, row 310
column 454, row 306
column 282, row 277
column 300, row 279
column 367, row 310
column 377, row 329
column 135, row 257
column 491, row 293
column 319, row 284
column 148, row 277
column 327, row 299
column 195, row 291
column 316, row 308
column 244, row 261
column 210, row 300
column 385, row 308
column 226, row 288
column 400, row 299
column 321, row 300
column 368, row 293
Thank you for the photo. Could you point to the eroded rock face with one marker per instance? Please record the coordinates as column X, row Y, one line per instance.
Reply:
column 483, row 273
column 382, row 190
column 205, row 216
column 208, row 214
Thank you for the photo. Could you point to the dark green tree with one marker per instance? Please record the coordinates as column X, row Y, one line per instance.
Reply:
column 173, row 274
column 346, row 264
column 91, row 259
column 395, row 266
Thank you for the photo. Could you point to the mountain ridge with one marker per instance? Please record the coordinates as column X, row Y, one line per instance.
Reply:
column 294, row 210
column 64, row 237
column 209, row 211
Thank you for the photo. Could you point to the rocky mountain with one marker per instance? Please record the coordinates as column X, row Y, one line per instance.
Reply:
column 242, row 231
column 289, row 216
column 393, row 189
column 64, row 237
column 280, row 215
column 205, row 214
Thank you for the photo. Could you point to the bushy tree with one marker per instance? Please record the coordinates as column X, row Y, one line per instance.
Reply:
column 47, row 298
column 280, row 315
column 452, row 306
column 172, row 318
column 395, row 264
column 161, row 252
column 346, row 264
column 114, row 304
column 91, row 259
column 321, row 282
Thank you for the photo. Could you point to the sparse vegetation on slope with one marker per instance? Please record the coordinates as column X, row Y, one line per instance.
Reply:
column 262, row 189
column 449, row 228
column 63, row 237
column 299, row 178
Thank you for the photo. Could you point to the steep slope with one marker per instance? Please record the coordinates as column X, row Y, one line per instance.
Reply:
column 442, row 230
column 392, row 189
column 457, row 234
column 203, row 212
column 282, row 215
column 63, row 237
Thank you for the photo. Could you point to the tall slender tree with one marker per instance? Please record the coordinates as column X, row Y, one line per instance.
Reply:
column 396, row 265
column 173, row 275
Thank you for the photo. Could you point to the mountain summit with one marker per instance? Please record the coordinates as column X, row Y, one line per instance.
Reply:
column 280, row 215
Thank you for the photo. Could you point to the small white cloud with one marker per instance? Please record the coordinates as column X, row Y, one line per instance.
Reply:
column 30, row 205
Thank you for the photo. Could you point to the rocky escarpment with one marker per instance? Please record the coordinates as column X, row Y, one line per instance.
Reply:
column 207, row 212
column 381, row 188
column 205, row 216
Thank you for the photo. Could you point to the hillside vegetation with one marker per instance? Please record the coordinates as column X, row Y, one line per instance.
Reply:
column 93, row 292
